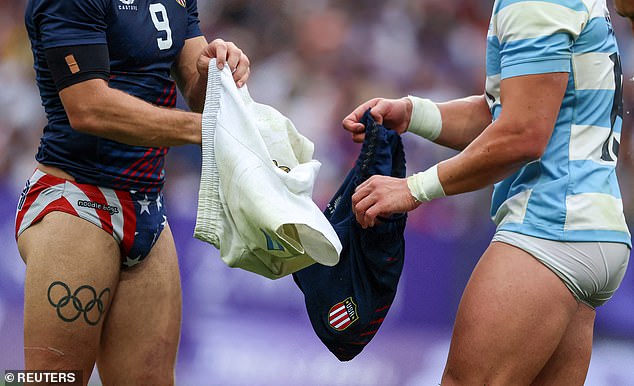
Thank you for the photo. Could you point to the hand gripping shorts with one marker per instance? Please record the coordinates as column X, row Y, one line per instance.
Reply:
column 348, row 302
column 134, row 219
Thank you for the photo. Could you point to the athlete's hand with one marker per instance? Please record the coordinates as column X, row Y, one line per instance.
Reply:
column 392, row 113
column 381, row 196
column 225, row 53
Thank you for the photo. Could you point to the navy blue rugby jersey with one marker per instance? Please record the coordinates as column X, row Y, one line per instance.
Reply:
column 144, row 38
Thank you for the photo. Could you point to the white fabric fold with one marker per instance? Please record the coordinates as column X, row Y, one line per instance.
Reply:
column 255, row 199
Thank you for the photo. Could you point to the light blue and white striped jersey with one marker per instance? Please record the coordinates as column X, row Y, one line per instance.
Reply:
column 571, row 193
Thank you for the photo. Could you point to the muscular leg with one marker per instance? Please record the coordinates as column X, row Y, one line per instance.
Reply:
column 140, row 335
column 66, row 256
column 512, row 316
column 569, row 363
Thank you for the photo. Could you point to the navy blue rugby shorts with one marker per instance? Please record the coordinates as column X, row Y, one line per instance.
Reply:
column 347, row 303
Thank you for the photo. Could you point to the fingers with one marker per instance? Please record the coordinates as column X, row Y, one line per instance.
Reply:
column 381, row 196
column 392, row 113
column 241, row 76
column 351, row 121
column 363, row 208
column 354, row 117
column 381, row 110
column 238, row 63
column 366, row 202
column 234, row 54
column 357, row 129
column 218, row 49
column 227, row 53
column 358, row 137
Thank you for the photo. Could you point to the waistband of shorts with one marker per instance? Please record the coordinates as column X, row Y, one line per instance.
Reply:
column 504, row 235
column 52, row 181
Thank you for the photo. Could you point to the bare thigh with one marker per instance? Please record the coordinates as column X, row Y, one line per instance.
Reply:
column 569, row 363
column 72, row 268
column 141, row 333
column 513, row 314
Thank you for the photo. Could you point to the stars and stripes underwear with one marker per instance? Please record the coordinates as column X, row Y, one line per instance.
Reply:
column 134, row 219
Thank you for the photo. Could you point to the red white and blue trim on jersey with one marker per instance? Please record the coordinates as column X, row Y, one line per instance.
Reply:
column 134, row 219
column 144, row 39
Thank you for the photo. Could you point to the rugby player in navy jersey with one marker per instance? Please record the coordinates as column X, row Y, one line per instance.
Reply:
column 546, row 132
column 102, row 279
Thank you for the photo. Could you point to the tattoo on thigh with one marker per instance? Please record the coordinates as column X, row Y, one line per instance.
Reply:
column 83, row 301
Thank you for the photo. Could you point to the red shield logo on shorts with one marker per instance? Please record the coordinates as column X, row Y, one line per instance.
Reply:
column 342, row 314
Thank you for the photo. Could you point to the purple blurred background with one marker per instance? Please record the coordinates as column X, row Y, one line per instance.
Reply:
column 315, row 60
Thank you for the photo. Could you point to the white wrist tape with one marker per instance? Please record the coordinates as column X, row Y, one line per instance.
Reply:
column 426, row 120
column 425, row 186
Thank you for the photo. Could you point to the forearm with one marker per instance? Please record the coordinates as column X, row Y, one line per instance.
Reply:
column 488, row 159
column 194, row 93
column 106, row 112
column 519, row 135
column 463, row 120
column 136, row 122
column 495, row 154
column 453, row 124
column 191, row 83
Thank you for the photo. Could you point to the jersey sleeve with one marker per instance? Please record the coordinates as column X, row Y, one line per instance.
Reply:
column 193, row 23
column 71, row 22
column 536, row 37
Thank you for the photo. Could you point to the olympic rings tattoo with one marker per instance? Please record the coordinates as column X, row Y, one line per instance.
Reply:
column 95, row 303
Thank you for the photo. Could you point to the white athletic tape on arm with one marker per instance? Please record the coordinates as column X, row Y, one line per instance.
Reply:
column 426, row 120
column 425, row 186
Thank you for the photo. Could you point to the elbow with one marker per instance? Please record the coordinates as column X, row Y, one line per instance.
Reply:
column 84, row 118
column 527, row 145
column 196, row 103
column 86, row 105
column 532, row 150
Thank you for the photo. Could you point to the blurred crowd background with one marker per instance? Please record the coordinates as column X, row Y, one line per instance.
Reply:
column 315, row 60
